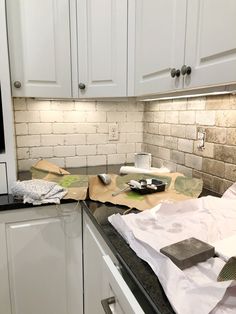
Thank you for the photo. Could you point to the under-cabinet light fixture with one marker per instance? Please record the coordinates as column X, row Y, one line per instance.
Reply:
column 187, row 96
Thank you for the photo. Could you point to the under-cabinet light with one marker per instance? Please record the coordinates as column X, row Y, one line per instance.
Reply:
column 188, row 96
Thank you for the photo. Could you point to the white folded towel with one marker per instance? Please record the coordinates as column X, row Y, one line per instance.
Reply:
column 38, row 191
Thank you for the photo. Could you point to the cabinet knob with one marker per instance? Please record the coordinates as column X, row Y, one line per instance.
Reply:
column 17, row 84
column 186, row 70
column 82, row 86
column 174, row 72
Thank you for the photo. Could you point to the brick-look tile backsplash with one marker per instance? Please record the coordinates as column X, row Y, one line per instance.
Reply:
column 170, row 135
column 75, row 134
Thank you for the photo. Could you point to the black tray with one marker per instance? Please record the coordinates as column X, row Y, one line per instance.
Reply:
column 160, row 187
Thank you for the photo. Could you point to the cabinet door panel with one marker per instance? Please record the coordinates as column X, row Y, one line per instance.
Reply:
column 160, row 35
column 39, row 44
column 211, row 42
column 102, row 47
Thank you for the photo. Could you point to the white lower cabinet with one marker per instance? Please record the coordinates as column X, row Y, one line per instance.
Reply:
column 41, row 261
column 105, row 290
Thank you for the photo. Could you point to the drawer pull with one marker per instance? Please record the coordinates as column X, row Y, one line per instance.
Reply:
column 106, row 304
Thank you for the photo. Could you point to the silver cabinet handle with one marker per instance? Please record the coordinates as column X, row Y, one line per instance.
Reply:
column 17, row 84
column 106, row 304
column 175, row 72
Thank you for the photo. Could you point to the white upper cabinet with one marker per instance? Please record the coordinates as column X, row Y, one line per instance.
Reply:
column 211, row 42
column 160, row 36
column 102, row 48
column 197, row 37
column 39, row 45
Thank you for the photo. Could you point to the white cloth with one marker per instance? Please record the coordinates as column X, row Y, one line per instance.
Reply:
column 194, row 290
column 38, row 191
column 152, row 170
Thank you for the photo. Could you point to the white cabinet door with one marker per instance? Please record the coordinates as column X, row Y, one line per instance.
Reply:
column 42, row 258
column 93, row 265
column 39, row 45
column 211, row 42
column 102, row 48
column 160, row 36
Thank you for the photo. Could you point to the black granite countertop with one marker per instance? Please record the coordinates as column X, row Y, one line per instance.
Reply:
column 141, row 279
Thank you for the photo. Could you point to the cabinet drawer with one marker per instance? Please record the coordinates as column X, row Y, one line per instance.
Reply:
column 3, row 178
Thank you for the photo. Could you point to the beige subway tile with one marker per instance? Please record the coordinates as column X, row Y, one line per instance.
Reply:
column 64, row 151
column 86, row 150
column 134, row 116
column 159, row 116
column 151, row 106
column 127, row 127
column 178, row 130
column 62, row 105
column 40, row 128
column 148, row 116
column 85, row 106
column 38, row 105
column 123, row 148
column 134, row 137
column 101, row 128
column 196, row 103
column 21, row 128
column 191, row 132
column 73, row 116
column 220, row 102
column 188, row 172
column 187, row 117
column 193, row 161
column 96, row 160
column 116, row 116
column 26, row 164
column 231, row 136
column 166, row 105
column 213, row 167
column 22, row 153
column 129, row 158
column 106, row 149
column 74, row 139
column 208, row 150
column 179, row 104
column 27, row 116
column 216, row 135
column 19, row 104
column 225, row 153
column 41, row 152
column 164, row 129
column 115, row 159
column 164, row 153
column 96, row 116
column 28, row 140
column 185, row 145
column 226, row 118
column 51, row 140
column 51, row 116
column 205, row 117
column 110, row 106
column 177, row 157
column 97, row 138
column 172, row 117
column 219, row 185
column 171, row 142
column 153, row 128
column 78, row 161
